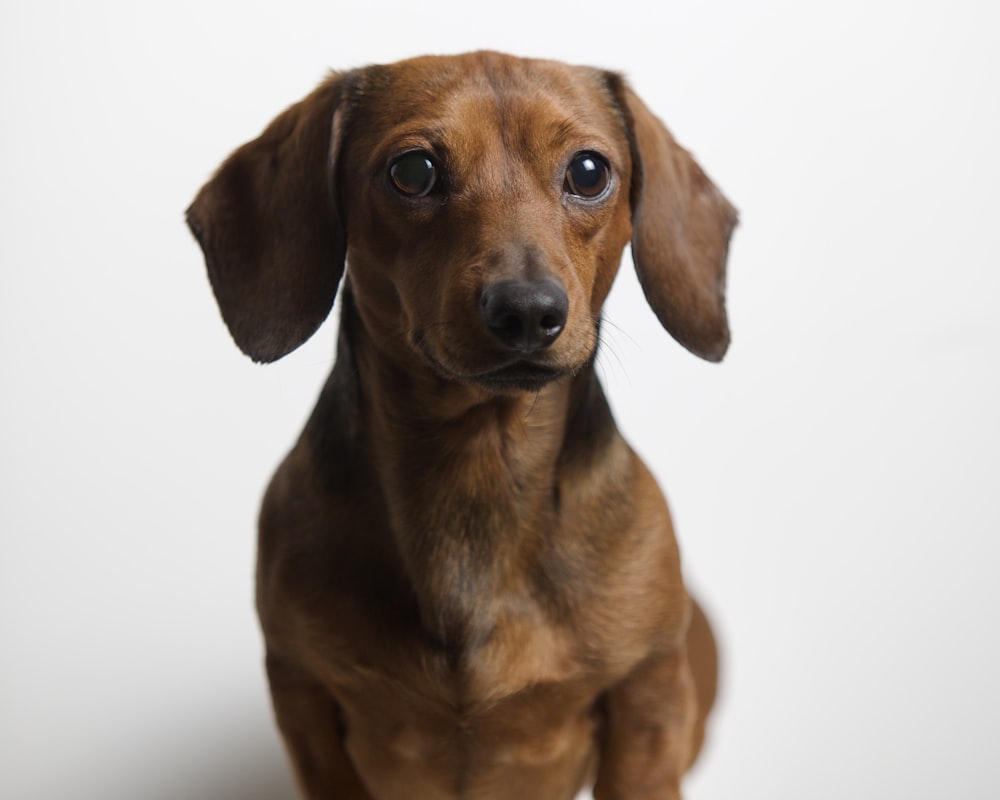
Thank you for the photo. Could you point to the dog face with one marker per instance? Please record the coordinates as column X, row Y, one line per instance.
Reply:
column 498, row 194
column 481, row 204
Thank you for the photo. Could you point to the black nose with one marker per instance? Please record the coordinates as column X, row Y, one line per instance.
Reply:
column 526, row 315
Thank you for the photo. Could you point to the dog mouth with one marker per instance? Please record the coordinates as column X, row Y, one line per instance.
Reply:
column 521, row 376
column 517, row 376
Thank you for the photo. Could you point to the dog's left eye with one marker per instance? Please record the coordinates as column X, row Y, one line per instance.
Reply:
column 413, row 174
column 588, row 176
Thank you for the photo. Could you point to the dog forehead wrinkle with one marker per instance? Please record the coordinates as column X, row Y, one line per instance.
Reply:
column 499, row 149
column 499, row 127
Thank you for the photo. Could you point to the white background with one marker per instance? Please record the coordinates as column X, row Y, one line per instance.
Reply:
column 835, row 482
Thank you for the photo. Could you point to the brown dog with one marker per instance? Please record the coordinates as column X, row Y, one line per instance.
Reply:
column 468, row 583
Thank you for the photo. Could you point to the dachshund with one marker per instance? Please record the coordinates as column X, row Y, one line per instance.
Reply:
column 468, row 583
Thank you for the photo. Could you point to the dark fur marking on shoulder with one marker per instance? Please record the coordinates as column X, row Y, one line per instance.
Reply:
column 333, row 429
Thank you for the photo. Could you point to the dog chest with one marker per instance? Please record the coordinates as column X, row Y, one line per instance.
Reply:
column 538, row 740
column 515, row 711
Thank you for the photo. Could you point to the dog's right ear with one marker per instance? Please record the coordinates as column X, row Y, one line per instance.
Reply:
column 271, row 230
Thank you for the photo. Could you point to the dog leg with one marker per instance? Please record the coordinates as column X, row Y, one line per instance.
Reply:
column 309, row 721
column 651, row 717
column 703, row 656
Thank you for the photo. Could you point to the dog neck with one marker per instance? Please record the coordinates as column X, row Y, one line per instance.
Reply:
column 467, row 481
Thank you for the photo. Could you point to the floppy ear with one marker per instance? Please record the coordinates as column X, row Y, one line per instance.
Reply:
column 681, row 224
column 269, row 225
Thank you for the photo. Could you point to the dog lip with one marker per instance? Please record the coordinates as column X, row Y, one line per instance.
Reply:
column 520, row 374
column 523, row 375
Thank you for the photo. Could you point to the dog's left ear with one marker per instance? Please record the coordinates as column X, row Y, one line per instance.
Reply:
column 681, row 225
column 271, row 229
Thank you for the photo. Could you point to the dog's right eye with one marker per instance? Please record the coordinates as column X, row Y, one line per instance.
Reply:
column 413, row 174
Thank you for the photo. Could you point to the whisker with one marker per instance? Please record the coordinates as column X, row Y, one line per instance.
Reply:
column 609, row 346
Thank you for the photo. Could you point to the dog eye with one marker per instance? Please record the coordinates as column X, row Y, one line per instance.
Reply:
column 413, row 174
column 587, row 176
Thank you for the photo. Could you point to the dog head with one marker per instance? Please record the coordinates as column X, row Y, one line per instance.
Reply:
column 481, row 204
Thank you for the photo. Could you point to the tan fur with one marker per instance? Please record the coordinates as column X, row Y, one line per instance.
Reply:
column 468, row 583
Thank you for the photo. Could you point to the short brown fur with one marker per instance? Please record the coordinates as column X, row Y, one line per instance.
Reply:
column 468, row 583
